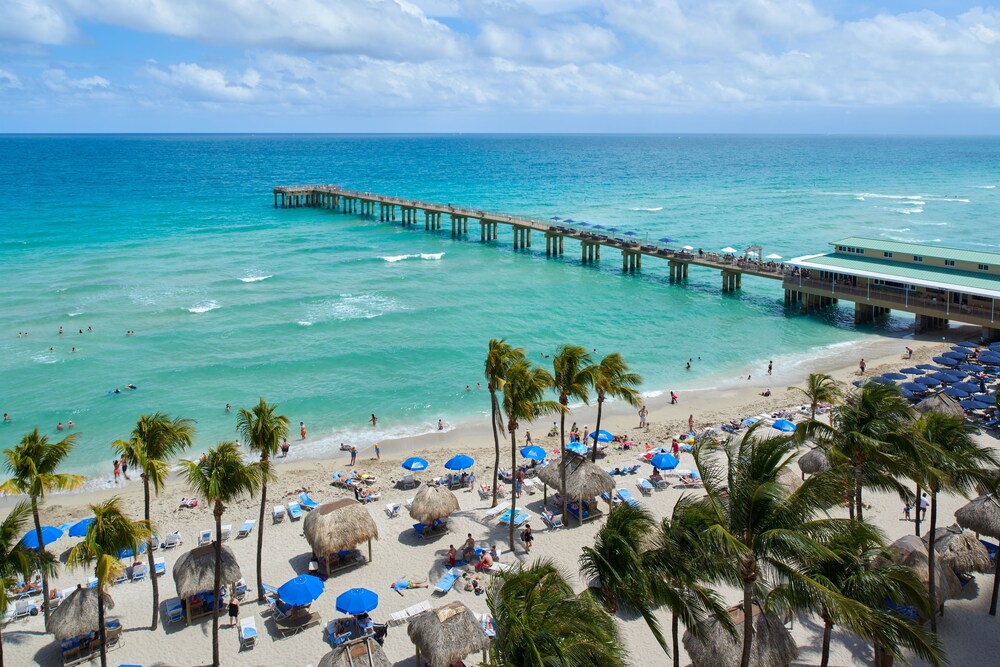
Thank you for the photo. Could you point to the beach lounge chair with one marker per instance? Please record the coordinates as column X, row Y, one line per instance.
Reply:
column 423, row 529
column 408, row 481
column 519, row 518
column 189, row 502
column 240, row 588
column 645, row 487
column 139, row 571
column 246, row 528
column 175, row 611
column 248, row 632
column 392, row 510
column 447, row 581
column 497, row 511
column 172, row 540
column 278, row 513
column 269, row 591
column 205, row 537
column 991, row 549
column 627, row 497
column 159, row 566
column 24, row 608
column 293, row 625
column 294, row 511
column 227, row 531
column 498, row 567
column 404, row 615
column 307, row 502
column 408, row 503
column 551, row 519
column 92, row 582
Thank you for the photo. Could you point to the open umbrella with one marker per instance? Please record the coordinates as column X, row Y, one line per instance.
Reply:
column 533, row 452
column 577, row 448
column 555, row 217
column 784, row 426
column 666, row 239
column 357, row 601
column 49, row 535
column 911, row 371
column 969, row 387
column 598, row 226
column 773, row 255
column 128, row 553
column 602, row 436
column 688, row 247
column 951, row 354
column 972, row 404
column 579, row 222
column 664, row 462
column 302, row 590
column 961, row 350
column 928, row 367
column 954, row 392
column 570, row 220
column 79, row 529
column 946, row 361
column 415, row 463
column 928, row 382
column 893, row 376
column 944, row 377
column 991, row 359
column 614, row 229
column 971, row 368
column 728, row 249
column 460, row 462
column 967, row 343
column 631, row 233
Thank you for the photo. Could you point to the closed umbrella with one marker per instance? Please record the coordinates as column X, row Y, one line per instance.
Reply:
column 894, row 376
column 928, row 381
column 302, row 590
column 911, row 371
column 79, row 529
column 533, row 452
column 460, row 462
column 664, row 462
column 784, row 426
column 415, row 463
column 49, row 535
column 357, row 601
column 602, row 436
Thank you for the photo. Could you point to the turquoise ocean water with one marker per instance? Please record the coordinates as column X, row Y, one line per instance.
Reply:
column 336, row 316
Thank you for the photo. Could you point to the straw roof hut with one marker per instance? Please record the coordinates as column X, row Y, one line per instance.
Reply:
column 584, row 480
column 194, row 573
column 342, row 524
column 981, row 515
column 773, row 645
column 366, row 653
column 814, row 461
column 788, row 480
column 447, row 634
column 960, row 550
column 77, row 614
column 433, row 502
column 940, row 403
column 911, row 551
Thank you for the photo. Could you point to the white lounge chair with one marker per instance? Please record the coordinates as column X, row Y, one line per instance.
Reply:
column 278, row 514
column 160, row 565
column 139, row 571
column 23, row 608
column 409, row 503
column 498, row 567
column 246, row 528
column 497, row 511
column 404, row 615
column 227, row 531
column 408, row 481
column 392, row 510
column 172, row 540
column 248, row 632
column 205, row 537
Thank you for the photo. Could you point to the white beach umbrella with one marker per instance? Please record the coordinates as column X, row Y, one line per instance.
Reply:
column 728, row 249
column 773, row 255
column 688, row 247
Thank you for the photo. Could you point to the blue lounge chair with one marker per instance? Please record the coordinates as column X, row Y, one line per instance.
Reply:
column 175, row 611
column 627, row 497
column 505, row 517
column 991, row 549
column 645, row 487
column 446, row 582
column 294, row 510
column 160, row 565
column 247, row 528
column 307, row 502
column 421, row 528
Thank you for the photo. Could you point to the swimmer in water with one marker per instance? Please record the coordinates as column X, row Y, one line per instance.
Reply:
column 131, row 386
column 70, row 423
column 117, row 391
column 59, row 426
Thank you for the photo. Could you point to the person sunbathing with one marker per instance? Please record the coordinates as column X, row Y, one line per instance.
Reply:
column 656, row 476
column 401, row 585
column 485, row 561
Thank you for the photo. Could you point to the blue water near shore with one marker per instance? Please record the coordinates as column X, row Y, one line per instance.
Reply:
column 337, row 316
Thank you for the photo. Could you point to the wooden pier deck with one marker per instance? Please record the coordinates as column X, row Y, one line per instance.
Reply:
column 555, row 232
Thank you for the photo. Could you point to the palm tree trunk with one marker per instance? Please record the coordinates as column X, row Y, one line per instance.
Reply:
column 1, row 646
column 494, row 411
column 562, row 457
column 827, row 631
column 673, row 636
column 41, row 551
column 597, row 429
column 102, row 631
column 850, row 504
column 747, row 621
column 260, row 537
column 149, row 552
column 916, row 508
column 513, row 491
column 860, row 512
column 931, row 562
column 217, row 581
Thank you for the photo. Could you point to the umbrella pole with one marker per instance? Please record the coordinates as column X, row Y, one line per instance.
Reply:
column 996, row 587
column 369, row 551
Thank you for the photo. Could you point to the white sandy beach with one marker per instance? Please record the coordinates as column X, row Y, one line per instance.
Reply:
column 968, row 633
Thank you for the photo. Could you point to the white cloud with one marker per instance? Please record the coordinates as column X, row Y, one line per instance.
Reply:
column 39, row 21
column 58, row 81
column 194, row 81
column 9, row 79
column 579, row 43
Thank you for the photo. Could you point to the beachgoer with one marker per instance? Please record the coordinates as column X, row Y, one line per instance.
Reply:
column 229, row 408
column 586, row 432
column 479, row 386
column 440, row 425
column 924, row 504
column 691, row 423
column 373, row 420
column 59, row 426
column 118, row 469
column 675, row 448
column 302, row 429
column 519, row 482
column 284, row 448
column 70, row 423
column 378, row 453
column 687, row 366
column 125, row 469
column 468, row 388
column 468, row 547
column 861, row 366
column 909, row 352
column 673, row 398
column 906, row 511
column 485, row 561
column 527, row 438
column 90, row 329
column 770, row 367
column 72, row 349
column 234, row 611
column 642, row 415
column 60, row 331
column 527, row 537
column 406, row 584
column 494, row 553
column 354, row 454
column 6, row 417
column 452, row 555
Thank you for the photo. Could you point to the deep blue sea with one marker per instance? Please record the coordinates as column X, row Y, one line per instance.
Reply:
column 337, row 316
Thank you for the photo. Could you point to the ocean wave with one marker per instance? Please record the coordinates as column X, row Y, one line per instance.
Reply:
column 897, row 231
column 203, row 307
column 254, row 279
column 352, row 307
column 364, row 439
column 904, row 211
column 861, row 196
column 75, row 313
column 651, row 209
column 904, row 239
column 44, row 358
column 304, row 323
column 954, row 199
column 420, row 255
column 931, row 224
column 986, row 187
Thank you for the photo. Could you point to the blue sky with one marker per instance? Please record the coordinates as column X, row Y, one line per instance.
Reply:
column 809, row 66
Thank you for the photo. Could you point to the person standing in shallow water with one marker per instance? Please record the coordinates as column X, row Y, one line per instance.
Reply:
column 373, row 420
column 302, row 429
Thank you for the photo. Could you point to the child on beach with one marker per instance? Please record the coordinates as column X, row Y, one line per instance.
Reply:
column 118, row 470
column 906, row 511
column 302, row 429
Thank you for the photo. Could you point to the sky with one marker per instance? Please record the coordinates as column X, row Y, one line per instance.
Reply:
column 616, row 66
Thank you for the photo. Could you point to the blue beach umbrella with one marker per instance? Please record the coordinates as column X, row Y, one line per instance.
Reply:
column 49, row 535
column 911, row 371
column 784, row 426
column 302, row 590
column 460, row 462
column 958, row 356
column 928, row 367
column 990, row 358
column 664, row 462
column 555, row 217
column 913, row 386
column 894, row 376
column 577, row 448
column 971, row 368
column 415, row 463
column 631, row 233
column 955, row 393
column 128, row 553
column 995, row 346
column 928, row 382
column 969, row 344
column 666, row 239
column 946, row 361
column 905, row 393
column 614, row 229
column 357, row 601
column 967, row 386
column 580, row 222
column 533, row 452
column 602, row 436
column 79, row 529
column 958, row 349
column 857, row 383
column 945, row 377
column 880, row 380
column 598, row 226
column 972, row 404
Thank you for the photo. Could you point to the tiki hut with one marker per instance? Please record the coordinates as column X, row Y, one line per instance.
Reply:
column 960, row 550
column 940, row 403
column 788, row 480
column 814, row 461
column 584, row 481
column 773, row 645
column 982, row 516
column 333, row 528
column 194, row 577
column 364, row 653
column 432, row 503
column 911, row 552
column 447, row 635
column 77, row 614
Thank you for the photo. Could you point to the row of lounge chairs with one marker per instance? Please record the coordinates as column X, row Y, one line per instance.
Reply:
column 85, row 647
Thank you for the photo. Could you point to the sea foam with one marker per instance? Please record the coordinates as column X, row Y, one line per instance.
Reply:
column 203, row 307
column 651, row 210
column 421, row 255
column 254, row 279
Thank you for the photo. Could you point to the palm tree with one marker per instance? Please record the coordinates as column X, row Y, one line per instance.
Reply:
column 853, row 594
column 947, row 460
column 17, row 562
column 154, row 441
column 868, row 434
column 111, row 533
column 499, row 358
column 541, row 623
column 222, row 477
column 32, row 465
column 572, row 377
column 612, row 378
column 820, row 388
column 524, row 390
column 758, row 529
column 263, row 432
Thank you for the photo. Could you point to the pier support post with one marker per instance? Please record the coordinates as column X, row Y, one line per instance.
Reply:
column 990, row 334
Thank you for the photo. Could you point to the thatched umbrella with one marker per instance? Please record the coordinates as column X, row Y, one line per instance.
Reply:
column 940, row 403
column 194, row 573
column 773, row 645
column 584, row 480
column 367, row 653
column 432, row 503
column 788, row 480
column 814, row 461
column 960, row 550
column 982, row 516
column 910, row 551
column 447, row 634
column 77, row 614
column 342, row 524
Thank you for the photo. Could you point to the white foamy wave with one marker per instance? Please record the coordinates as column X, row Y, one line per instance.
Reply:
column 915, row 202
column 44, row 358
column 421, row 255
column 254, row 279
column 859, row 198
column 931, row 224
column 353, row 307
column 203, row 307
column 75, row 313
column 954, row 199
column 904, row 211
column 652, row 394
column 652, row 209
column 328, row 445
column 304, row 323
column 431, row 255
column 905, row 239
column 897, row 231
column 986, row 187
